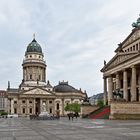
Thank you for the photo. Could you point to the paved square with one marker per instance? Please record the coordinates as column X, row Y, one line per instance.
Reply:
column 63, row 129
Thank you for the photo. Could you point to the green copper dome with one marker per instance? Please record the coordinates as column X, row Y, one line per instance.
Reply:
column 34, row 47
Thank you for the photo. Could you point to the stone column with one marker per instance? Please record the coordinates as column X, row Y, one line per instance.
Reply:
column 105, row 90
column 125, row 85
column 62, row 107
column 139, row 85
column 117, row 81
column 40, row 105
column 12, row 106
column 110, row 89
column 44, row 75
column 133, row 84
column 27, row 106
column 34, row 106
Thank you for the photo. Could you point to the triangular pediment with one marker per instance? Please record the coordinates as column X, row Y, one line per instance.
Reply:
column 37, row 91
column 134, row 35
column 118, row 59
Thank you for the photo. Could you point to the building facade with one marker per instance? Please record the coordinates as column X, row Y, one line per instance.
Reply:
column 93, row 100
column 121, row 74
column 34, row 94
column 3, row 100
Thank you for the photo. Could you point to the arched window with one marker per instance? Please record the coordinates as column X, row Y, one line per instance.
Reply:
column 57, row 106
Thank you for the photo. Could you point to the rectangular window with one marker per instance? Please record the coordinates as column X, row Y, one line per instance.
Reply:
column 136, row 46
column 23, row 101
column 30, row 102
column 50, row 102
column 15, row 102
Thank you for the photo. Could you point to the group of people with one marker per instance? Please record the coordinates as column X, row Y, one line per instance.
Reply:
column 72, row 115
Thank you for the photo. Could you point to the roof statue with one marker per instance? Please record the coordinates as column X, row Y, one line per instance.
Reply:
column 104, row 63
column 8, row 84
column 33, row 35
column 137, row 23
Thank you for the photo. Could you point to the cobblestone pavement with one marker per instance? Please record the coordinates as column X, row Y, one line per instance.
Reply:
column 63, row 129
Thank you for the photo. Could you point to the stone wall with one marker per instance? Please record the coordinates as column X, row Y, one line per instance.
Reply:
column 125, row 110
column 86, row 109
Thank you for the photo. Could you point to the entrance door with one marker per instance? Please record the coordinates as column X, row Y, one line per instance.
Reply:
column 37, row 110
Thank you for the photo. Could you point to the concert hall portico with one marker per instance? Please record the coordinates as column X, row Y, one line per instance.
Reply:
column 122, row 72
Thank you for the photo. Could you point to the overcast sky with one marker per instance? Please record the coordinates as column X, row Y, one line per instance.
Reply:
column 76, row 37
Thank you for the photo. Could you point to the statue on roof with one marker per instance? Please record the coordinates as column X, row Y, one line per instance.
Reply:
column 137, row 23
column 104, row 63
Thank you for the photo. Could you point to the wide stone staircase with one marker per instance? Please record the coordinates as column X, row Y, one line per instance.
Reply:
column 101, row 113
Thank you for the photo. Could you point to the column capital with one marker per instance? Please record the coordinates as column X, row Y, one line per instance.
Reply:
column 110, row 76
column 117, row 72
column 104, row 77
column 133, row 66
column 124, row 70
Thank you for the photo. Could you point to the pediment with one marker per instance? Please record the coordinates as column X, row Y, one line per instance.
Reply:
column 118, row 59
column 37, row 91
column 131, row 38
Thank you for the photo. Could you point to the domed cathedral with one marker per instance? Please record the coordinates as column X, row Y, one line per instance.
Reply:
column 34, row 67
column 34, row 94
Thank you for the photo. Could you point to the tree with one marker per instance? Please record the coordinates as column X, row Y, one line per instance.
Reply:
column 67, row 107
column 73, row 107
column 2, row 113
column 100, row 103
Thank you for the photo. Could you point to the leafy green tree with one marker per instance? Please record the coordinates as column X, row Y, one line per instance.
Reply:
column 3, row 113
column 67, row 107
column 73, row 107
column 100, row 103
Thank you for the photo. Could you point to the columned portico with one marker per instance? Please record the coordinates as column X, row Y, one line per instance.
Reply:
column 124, row 67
